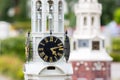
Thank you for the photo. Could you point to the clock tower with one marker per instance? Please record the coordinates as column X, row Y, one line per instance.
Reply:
column 47, row 45
column 89, row 57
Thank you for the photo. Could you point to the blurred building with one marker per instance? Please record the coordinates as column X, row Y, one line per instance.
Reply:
column 112, row 29
column 88, row 56
column 6, row 30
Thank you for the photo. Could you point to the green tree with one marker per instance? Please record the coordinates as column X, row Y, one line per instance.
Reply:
column 70, row 15
column 13, row 46
column 117, row 16
column 5, row 6
column 22, row 16
column 109, row 7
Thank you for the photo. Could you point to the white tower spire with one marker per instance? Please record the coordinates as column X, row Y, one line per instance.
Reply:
column 87, row 36
column 45, row 46
column 88, row 14
column 44, row 16
column 89, row 54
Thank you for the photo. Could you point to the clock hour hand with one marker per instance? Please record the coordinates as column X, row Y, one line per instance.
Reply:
column 53, row 50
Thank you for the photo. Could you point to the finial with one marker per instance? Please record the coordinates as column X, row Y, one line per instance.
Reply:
column 50, row 32
column 28, row 32
column 66, row 32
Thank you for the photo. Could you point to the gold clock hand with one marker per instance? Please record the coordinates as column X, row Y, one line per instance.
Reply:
column 54, row 48
column 53, row 52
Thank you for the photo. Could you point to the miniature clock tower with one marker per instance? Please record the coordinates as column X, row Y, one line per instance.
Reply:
column 47, row 52
column 88, row 56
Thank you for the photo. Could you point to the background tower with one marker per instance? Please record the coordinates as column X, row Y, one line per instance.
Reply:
column 47, row 28
column 89, row 58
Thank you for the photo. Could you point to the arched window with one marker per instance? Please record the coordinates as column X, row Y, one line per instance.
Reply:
column 50, row 15
column 92, row 20
column 103, row 43
column 95, row 45
column 60, row 7
column 74, row 45
column 39, row 16
column 85, row 21
column 39, row 5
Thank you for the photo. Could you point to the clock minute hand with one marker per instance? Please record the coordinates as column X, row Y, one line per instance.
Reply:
column 54, row 48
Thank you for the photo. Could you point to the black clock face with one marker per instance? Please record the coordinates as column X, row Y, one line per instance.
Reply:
column 50, row 49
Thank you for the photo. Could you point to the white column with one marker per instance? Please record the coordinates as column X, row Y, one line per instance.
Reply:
column 39, row 23
column 33, row 16
column 44, row 15
column 63, row 16
column 82, row 21
column 56, row 16
column 34, row 48
column 78, row 22
column 97, row 23
column 89, row 20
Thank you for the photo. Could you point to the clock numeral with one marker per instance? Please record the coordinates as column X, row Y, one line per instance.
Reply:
column 40, row 49
column 51, row 39
column 42, row 44
column 51, row 59
column 46, row 40
column 59, row 44
column 61, row 48
column 42, row 54
column 55, row 40
column 59, row 54
column 46, row 58
column 55, row 58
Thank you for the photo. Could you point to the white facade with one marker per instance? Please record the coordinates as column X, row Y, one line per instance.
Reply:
column 88, row 14
column 46, row 17
column 87, row 41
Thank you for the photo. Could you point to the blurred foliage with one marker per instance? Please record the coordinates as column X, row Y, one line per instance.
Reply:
column 14, row 46
column 4, row 7
column 19, row 7
column 117, row 16
column 116, row 49
column 115, row 56
column 11, row 66
column 22, row 16
column 109, row 7
column 70, row 15
column 116, row 44
column 24, row 26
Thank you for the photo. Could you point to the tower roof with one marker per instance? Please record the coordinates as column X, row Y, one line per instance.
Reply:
column 88, row 6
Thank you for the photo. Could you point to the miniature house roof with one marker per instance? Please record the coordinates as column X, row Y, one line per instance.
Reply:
column 87, row 55
column 93, row 36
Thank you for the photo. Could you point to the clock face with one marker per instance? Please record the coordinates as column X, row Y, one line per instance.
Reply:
column 50, row 49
